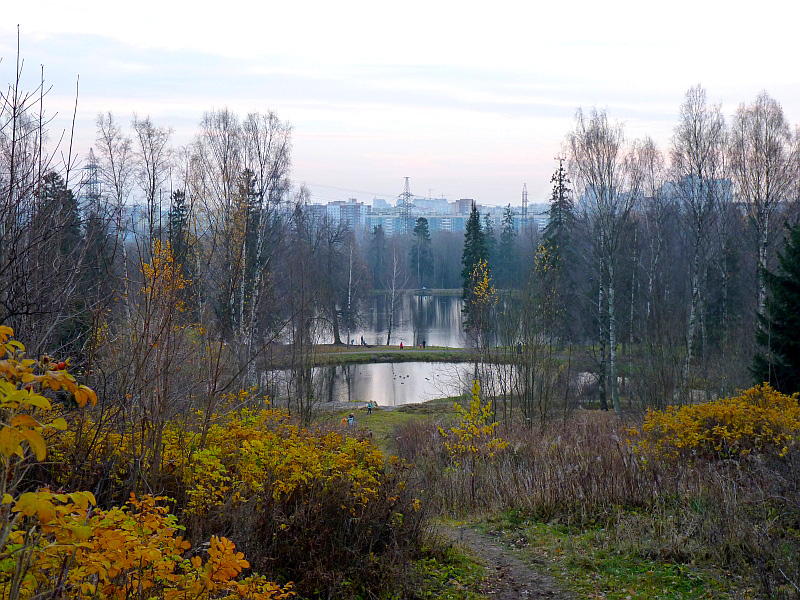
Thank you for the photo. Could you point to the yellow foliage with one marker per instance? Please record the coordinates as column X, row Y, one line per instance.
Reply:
column 133, row 550
column 162, row 276
column 760, row 419
column 475, row 434
column 25, row 410
column 484, row 294
column 52, row 542
column 253, row 452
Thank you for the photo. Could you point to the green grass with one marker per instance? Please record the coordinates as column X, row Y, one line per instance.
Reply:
column 448, row 573
column 382, row 423
column 349, row 356
column 588, row 563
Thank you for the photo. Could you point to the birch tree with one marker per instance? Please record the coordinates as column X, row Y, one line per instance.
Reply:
column 603, row 170
column 763, row 160
column 116, row 170
column 153, row 163
column 699, row 169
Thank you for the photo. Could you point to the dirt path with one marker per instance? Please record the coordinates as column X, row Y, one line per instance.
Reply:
column 508, row 578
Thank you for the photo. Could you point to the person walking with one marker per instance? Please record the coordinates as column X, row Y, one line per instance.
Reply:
column 369, row 408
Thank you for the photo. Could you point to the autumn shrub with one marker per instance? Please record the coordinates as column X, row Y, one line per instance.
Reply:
column 760, row 420
column 735, row 466
column 59, row 544
column 124, row 552
column 473, row 441
column 318, row 507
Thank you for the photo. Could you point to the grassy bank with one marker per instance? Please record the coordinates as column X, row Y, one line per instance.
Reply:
column 352, row 355
column 385, row 424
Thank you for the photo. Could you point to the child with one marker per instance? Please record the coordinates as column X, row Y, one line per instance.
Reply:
column 351, row 420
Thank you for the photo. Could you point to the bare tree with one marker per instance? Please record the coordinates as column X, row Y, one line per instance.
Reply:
column 763, row 161
column 241, row 178
column 611, row 186
column 699, row 169
column 395, row 285
column 41, row 247
column 116, row 170
column 656, row 203
column 153, row 164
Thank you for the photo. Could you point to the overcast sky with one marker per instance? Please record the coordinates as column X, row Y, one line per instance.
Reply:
column 469, row 100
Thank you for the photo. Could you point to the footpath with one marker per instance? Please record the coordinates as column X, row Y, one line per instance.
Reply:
column 508, row 577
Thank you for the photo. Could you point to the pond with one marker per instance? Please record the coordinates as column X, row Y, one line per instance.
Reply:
column 388, row 384
column 433, row 319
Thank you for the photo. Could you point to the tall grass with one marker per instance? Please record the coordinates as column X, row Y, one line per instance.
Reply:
column 741, row 514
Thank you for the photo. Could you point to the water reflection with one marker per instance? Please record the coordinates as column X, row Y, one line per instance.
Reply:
column 435, row 320
column 388, row 384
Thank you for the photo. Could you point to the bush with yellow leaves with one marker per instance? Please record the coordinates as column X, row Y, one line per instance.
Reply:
column 59, row 545
column 474, row 439
column 758, row 420
column 315, row 506
column 126, row 552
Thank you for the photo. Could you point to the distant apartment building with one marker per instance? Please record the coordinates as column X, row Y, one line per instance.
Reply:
column 441, row 215
column 464, row 205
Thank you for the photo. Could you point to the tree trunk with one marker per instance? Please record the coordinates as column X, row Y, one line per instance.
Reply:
column 612, row 339
column 692, row 325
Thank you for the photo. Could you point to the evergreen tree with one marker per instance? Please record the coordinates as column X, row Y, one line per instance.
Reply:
column 778, row 331
column 474, row 250
column 178, row 219
column 377, row 256
column 59, row 215
column 558, row 251
column 491, row 240
column 420, row 255
column 562, row 213
column 506, row 254
column 60, row 208
column 475, row 264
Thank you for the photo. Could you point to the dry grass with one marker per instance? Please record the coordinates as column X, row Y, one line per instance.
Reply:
column 743, row 515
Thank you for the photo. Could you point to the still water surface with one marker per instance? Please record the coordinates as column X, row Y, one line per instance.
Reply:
column 433, row 319
column 388, row 384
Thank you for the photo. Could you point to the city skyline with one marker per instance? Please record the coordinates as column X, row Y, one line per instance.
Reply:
column 468, row 103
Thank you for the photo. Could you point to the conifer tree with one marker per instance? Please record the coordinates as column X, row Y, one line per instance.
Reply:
column 475, row 253
column 506, row 255
column 491, row 241
column 475, row 250
column 562, row 215
column 559, row 252
column 778, row 330
column 420, row 255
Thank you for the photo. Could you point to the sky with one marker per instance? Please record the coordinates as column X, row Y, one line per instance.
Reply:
column 468, row 100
